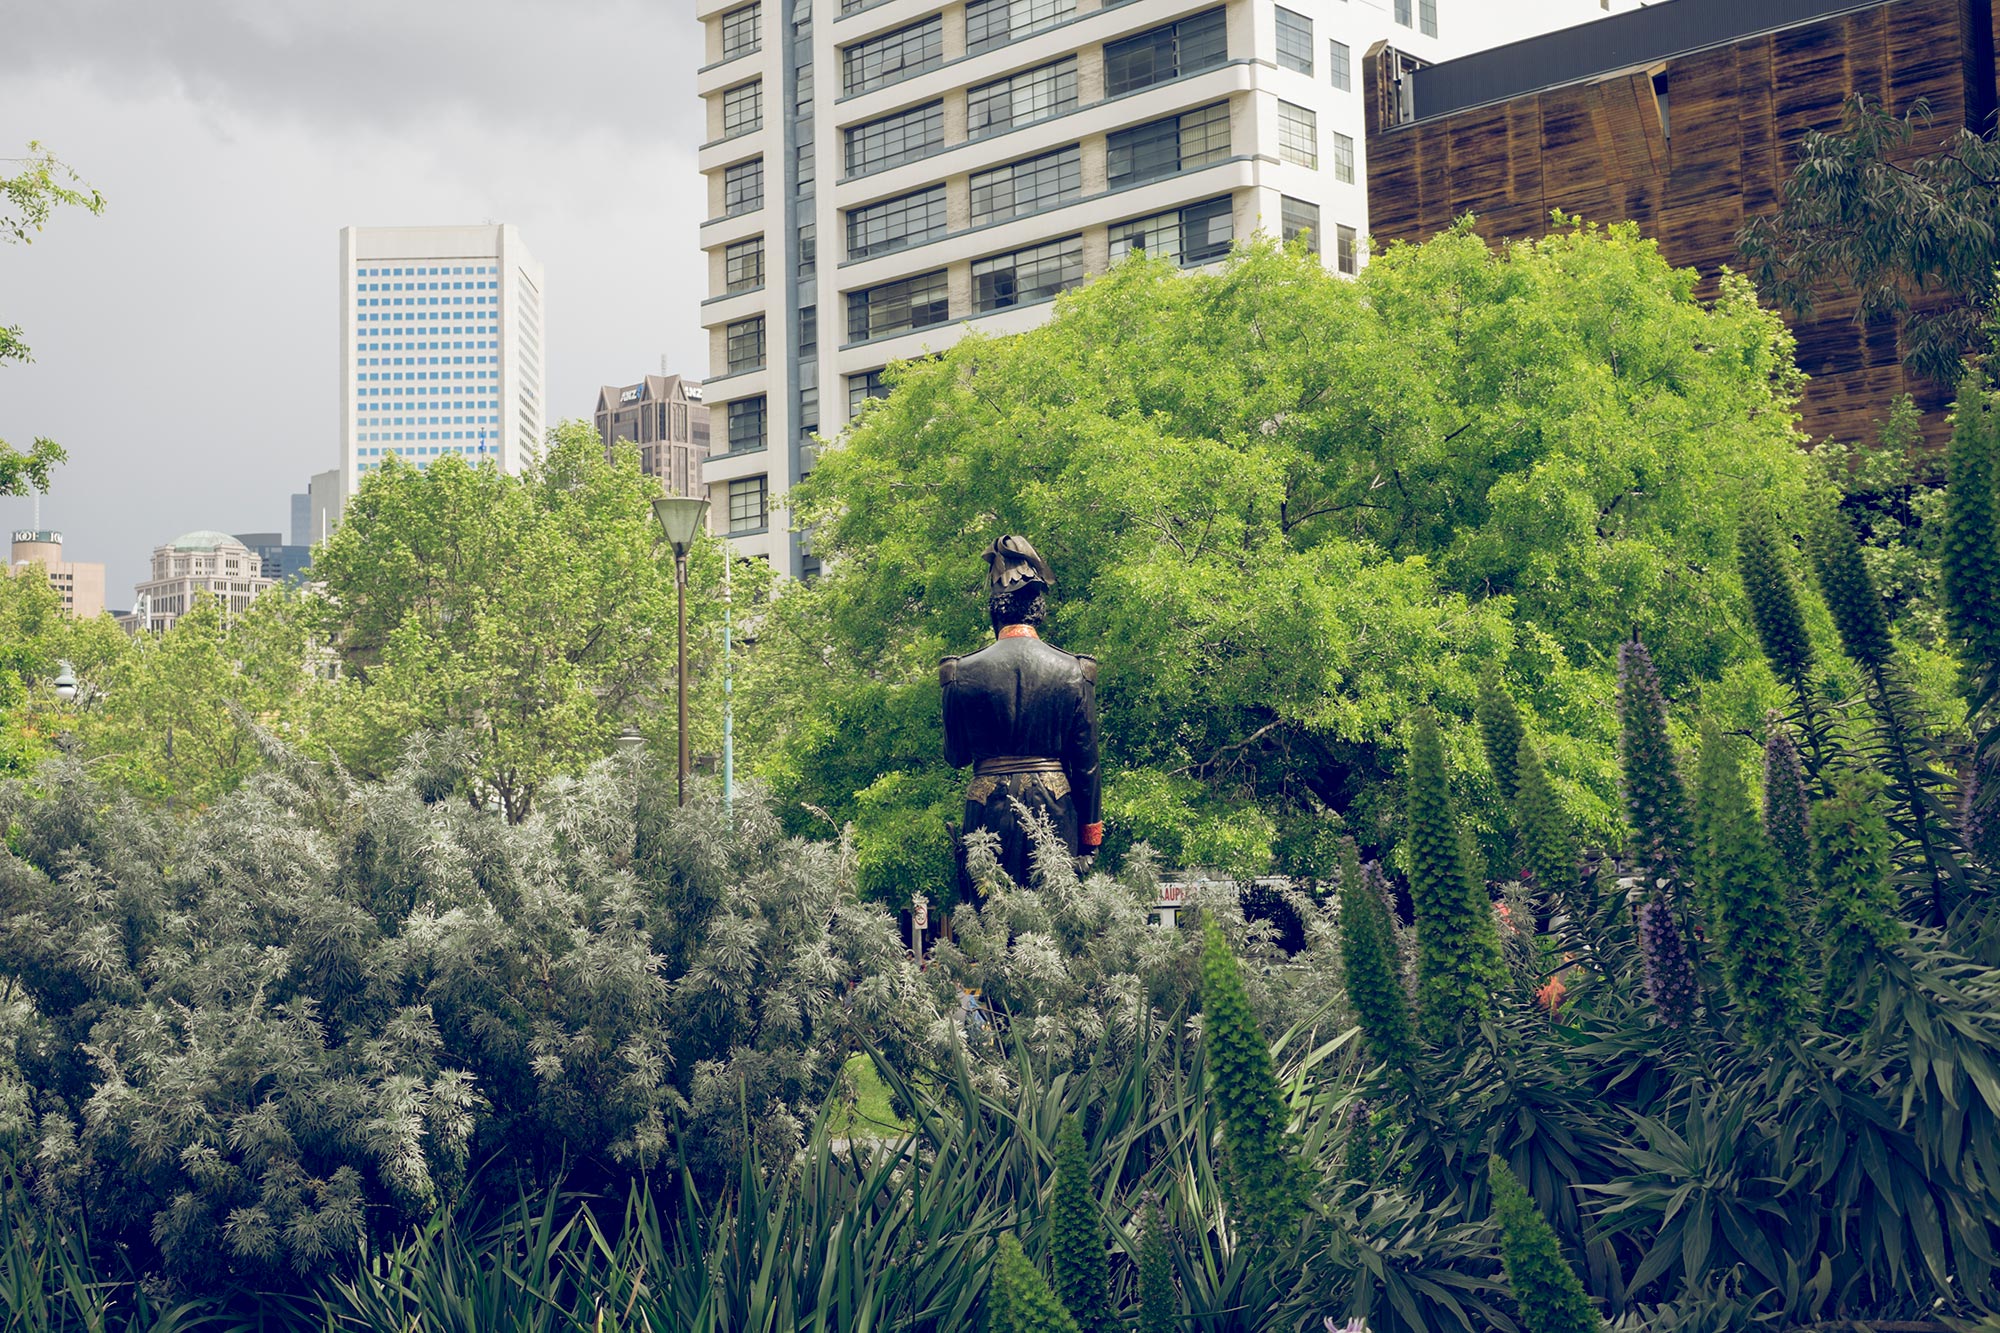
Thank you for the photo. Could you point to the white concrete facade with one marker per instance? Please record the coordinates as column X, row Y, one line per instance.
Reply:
column 190, row 565
column 1124, row 108
column 441, row 348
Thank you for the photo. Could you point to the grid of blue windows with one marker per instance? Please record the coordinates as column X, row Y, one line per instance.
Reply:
column 450, row 314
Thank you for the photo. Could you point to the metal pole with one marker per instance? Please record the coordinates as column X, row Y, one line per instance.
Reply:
column 681, row 673
column 729, row 689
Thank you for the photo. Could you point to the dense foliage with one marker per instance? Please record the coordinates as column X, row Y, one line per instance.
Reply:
column 1285, row 510
column 1910, row 234
column 520, row 622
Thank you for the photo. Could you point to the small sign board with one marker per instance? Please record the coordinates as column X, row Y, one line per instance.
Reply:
column 920, row 913
column 1170, row 895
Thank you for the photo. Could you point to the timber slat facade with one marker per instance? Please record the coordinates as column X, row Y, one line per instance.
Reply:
column 1691, row 146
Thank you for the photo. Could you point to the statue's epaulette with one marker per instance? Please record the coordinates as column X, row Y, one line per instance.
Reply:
column 1089, row 665
column 947, row 670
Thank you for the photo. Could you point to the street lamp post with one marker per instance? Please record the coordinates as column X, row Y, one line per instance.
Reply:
column 680, row 518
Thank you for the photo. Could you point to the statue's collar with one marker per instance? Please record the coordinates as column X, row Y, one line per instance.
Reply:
column 1018, row 632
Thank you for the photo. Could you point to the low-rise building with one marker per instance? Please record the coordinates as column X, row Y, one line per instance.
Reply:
column 81, row 586
column 665, row 417
column 193, row 563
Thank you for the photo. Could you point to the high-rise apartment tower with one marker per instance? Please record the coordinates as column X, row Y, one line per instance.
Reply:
column 883, row 174
column 441, row 347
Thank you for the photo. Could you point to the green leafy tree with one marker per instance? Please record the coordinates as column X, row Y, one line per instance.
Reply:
column 1373, row 970
column 1546, row 1291
column 1076, row 1237
column 533, row 615
column 1265, row 1177
column 1294, row 511
column 1458, row 946
column 1019, row 1300
column 1862, row 214
column 1159, row 1302
column 1746, row 899
column 177, row 716
column 35, row 187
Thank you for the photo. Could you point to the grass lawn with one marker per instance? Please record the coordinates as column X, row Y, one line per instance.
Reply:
column 869, row 1115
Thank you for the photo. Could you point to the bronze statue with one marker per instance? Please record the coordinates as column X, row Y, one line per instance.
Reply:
column 1024, row 715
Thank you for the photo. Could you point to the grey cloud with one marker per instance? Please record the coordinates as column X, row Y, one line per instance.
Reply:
column 609, row 66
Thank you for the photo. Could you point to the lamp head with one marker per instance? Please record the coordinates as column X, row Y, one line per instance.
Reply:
column 65, row 683
column 680, row 518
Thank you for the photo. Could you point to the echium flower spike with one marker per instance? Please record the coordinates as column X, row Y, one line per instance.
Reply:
column 1850, row 591
column 1373, row 970
column 1076, row 1243
column 1787, row 812
column 1857, row 900
column 1655, row 798
column 1745, row 894
column 1501, row 731
column 1264, row 1176
column 1970, row 556
column 1548, row 853
column 1773, row 595
column 1670, row 983
column 1459, row 966
column 1547, row 1293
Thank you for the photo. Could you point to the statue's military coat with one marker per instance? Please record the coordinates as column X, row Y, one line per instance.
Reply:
column 1020, row 699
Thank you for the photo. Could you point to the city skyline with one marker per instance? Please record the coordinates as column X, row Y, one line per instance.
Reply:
column 233, row 144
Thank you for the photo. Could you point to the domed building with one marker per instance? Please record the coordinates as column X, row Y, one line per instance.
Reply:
column 192, row 563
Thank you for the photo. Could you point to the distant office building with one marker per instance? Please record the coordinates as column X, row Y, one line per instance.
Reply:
column 81, row 586
column 196, row 562
column 1685, row 118
column 301, row 525
column 969, row 160
column 282, row 561
column 441, row 348
column 325, row 495
column 665, row 417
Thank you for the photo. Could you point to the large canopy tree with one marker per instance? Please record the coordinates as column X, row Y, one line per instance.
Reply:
column 1284, row 508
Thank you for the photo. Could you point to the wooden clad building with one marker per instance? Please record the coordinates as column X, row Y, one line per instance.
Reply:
column 1684, row 117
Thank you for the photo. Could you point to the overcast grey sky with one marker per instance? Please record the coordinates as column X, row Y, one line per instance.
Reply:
column 185, row 342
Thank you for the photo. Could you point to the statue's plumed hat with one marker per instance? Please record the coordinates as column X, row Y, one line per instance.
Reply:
column 1011, row 562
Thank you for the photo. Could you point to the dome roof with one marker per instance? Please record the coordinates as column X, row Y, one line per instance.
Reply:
column 204, row 540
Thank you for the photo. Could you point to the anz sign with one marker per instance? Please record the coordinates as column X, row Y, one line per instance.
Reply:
column 631, row 395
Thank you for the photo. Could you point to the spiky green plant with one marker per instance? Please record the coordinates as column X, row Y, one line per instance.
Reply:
column 1655, row 797
column 1744, row 893
column 1459, row 965
column 1657, row 808
column 1772, row 591
column 1546, row 1291
column 1159, row 1305
column 1548, row 851
column 1849, row 589
column 1358, row 1157
column 1970, row 556
column 1787, row 812
column 1076, row 1237
column 1858, row 613
column 1019, row 1301
column 1501, row 731
column 1373, row 970
column 1857, row 901
column 1264, row 1177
